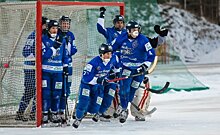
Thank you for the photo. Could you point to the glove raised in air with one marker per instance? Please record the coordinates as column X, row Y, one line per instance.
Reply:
column 159, row 31
column 102, row 12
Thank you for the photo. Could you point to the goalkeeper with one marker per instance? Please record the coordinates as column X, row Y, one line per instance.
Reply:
column 29, row 76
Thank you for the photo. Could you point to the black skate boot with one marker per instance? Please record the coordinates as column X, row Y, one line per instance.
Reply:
column 63, row 119
column 123, row 116
column 76, row 123
column 96, row 117
column 45, row 118
column 55, row 118
column 117, row 112
column 105, row 118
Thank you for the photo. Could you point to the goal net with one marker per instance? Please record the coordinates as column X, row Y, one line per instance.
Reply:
column 17, row 22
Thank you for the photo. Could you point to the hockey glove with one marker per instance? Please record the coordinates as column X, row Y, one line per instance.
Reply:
column 102, row 12
column 102, row 81
column 159, row 31
column 57, row 42
column 142, row 68
column 112, row 75
column 65, row 71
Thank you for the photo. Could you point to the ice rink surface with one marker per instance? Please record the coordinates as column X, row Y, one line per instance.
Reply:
column 179, row 113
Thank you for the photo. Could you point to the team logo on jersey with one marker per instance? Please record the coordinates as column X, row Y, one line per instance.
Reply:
column 126, row 50
column 98, row 68
column 135, row 44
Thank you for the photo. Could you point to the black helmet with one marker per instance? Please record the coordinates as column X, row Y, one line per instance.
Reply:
column 45, row 20
column 64, row 18
column 52, row 23
column 118, row 18
column 104, row 48
column 133, row 24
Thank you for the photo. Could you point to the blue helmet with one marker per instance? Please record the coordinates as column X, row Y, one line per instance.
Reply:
column 52, row 23
column 118, row 18
column 133, row 24
column 104, row 48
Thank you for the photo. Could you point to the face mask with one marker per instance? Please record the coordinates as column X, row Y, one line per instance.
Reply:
column 106, row 60
column 135, row 34
column 53, row 35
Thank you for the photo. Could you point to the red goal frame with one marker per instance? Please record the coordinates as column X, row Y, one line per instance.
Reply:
column 39, row 5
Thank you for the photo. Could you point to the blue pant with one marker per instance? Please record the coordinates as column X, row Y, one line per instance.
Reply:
column 128, row 88
column 51, row 91
column 90, row 99
column 109, row 93
column 29, row 91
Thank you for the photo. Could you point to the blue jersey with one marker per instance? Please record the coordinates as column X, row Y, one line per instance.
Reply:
column 29, row 49
column 70, row 46
column 70, row 40
column 53, row 59
column 96, row 68
column 109, row 33
column 134, row 52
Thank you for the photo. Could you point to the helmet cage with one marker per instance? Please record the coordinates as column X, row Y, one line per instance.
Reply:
column 64, row 19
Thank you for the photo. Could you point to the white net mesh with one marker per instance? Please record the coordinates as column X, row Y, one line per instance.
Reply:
column 17, row 22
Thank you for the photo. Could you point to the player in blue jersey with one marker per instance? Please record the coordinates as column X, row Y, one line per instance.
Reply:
column 94, row 85
column 29, row 76
column 110, row 33
column 54, row 65
column 65, row 33
column 137, row 55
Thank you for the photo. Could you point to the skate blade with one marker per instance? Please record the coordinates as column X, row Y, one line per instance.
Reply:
column 49, row 125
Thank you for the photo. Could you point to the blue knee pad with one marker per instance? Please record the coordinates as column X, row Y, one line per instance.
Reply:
column 82, row 106
column 94, row 105
column 56, row 94
column 109, row 93
column 124, row 93
column 134, row 86
column 96, row 97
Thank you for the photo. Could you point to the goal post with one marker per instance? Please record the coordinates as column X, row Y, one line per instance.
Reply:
column 18, row 20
